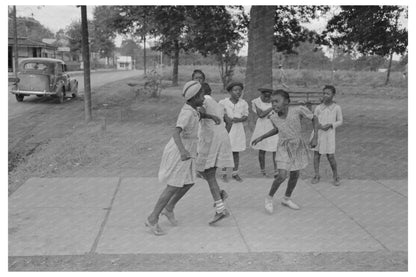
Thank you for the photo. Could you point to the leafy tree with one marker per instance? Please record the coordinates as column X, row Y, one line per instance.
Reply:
column 135, row 21
column 30, row 28
column 369, row 62
column 370, row 30
column 279, row 26
column 102, row 37
column 218, row 31
column 74, row 34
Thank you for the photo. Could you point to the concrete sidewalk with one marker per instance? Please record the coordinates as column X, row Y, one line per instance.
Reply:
column 75, row 216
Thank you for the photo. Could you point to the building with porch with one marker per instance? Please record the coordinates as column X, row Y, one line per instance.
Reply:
column 29, row 48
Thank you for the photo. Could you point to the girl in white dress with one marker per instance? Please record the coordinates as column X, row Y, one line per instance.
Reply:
column 329, row 116
column 263, row 108
column 177, row 168
column 236, row 112
column 214, row 148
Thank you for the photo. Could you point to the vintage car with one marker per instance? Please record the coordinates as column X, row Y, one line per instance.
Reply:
column 44, row 77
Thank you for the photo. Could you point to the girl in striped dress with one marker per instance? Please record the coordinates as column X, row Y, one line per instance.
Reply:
column 292, row 152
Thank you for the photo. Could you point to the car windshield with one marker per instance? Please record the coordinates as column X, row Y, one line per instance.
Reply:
column 36, row 66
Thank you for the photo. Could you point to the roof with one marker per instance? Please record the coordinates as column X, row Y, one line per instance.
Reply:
column 21, row 41
column 42, row 60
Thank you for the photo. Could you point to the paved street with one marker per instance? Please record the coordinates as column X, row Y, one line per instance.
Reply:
column 76, row 216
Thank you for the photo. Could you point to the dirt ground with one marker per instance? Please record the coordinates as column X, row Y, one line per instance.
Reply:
column 127, row 137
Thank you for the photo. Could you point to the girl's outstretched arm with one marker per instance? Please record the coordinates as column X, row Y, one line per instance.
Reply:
column 270, row 133
column 240, row 119
column 185, row 155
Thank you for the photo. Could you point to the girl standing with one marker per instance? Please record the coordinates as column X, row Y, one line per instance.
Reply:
column 177, row 168
column 236, row 112
column 292, row 153
column 262, row 106
column 329, row 116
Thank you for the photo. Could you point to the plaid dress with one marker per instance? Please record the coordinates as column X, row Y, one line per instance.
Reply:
column 292, row 151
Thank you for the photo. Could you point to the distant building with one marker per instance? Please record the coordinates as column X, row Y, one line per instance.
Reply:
column 382, row 70
column 124, row 63
column 29, row 48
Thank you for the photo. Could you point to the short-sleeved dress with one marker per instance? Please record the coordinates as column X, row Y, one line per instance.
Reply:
column 173, row 171
column 331, row 114
column 237, row 133
column 214, row 147
column 263, row 125
column 292, row 152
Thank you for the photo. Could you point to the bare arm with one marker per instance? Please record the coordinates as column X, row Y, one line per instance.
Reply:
column 272, row 132
column 239, row 119
column 185, row 155
column 210, row 116
column 261, row 113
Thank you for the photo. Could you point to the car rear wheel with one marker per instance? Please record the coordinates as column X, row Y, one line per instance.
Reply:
column 74, row 89
column 19, row 97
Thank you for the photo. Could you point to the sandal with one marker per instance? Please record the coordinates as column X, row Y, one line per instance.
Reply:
column 170, row 216
column 155, row 229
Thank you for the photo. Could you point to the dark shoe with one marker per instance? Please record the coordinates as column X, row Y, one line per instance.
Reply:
column 237, row 178
column 154, row 229
column 337, row 181
column 219, row 216
column 315, row 179
column 224, row 178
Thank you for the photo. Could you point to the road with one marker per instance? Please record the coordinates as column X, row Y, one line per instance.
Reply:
column 33, row 103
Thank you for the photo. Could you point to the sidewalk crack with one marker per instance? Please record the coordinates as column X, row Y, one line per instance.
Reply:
column 107, row 215
column 239, row 229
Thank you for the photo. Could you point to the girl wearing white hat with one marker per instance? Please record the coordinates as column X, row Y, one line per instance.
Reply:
column 177, row 168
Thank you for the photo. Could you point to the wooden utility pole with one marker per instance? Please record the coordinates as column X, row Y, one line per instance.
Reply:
column 86, row 61
column 16, row 49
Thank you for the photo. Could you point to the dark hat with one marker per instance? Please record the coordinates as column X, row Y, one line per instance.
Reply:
column 234, row 84
column 265, row 90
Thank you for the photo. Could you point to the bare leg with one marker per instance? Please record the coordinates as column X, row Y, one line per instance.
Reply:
column 274, row 162
column 236, row 157
column 316, row 161
column 177, row 196
column 209, row 175
column 291, row 184
column 163, row 200
column 262, row 161
column 333, row 163
column 278, row 180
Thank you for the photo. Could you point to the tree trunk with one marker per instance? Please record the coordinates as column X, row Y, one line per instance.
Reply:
column 144, row 55
column 175, row 64
column 389, row 68
column 86, row 60
column 260, row 53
